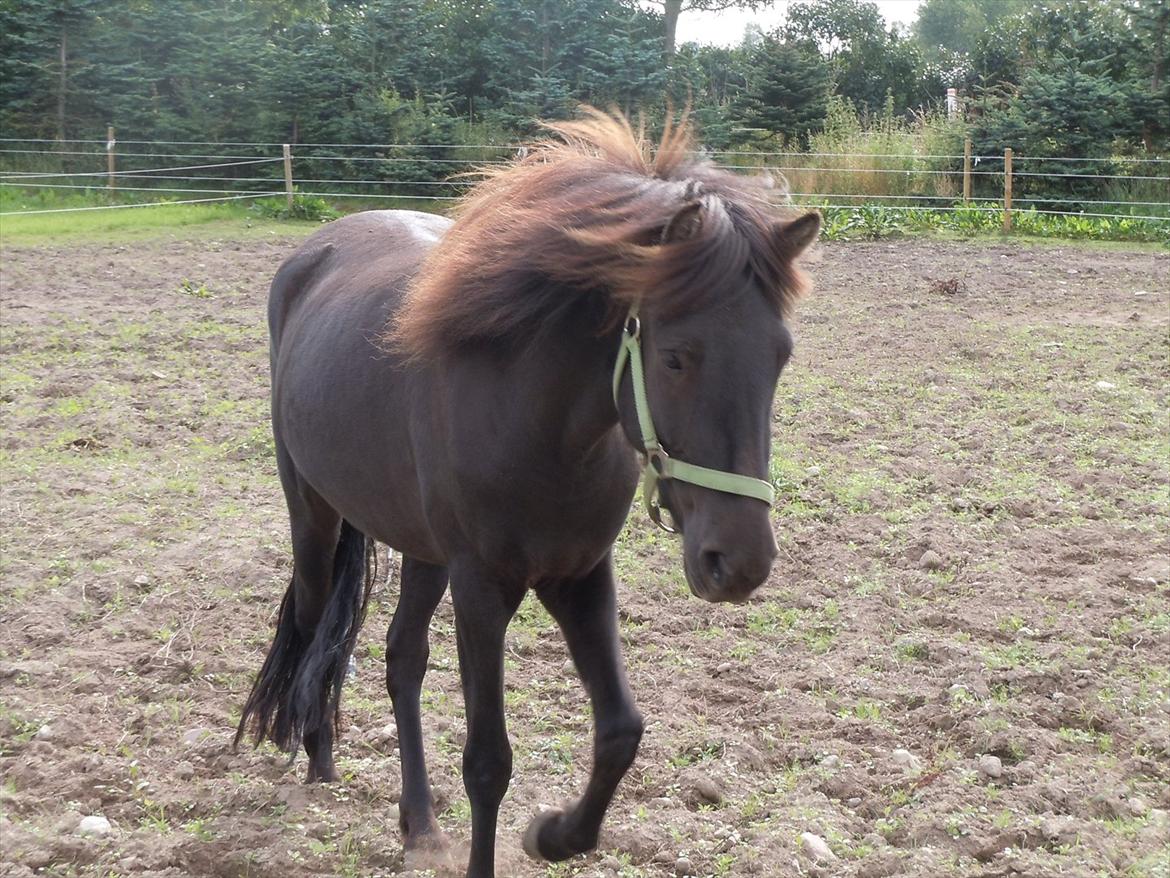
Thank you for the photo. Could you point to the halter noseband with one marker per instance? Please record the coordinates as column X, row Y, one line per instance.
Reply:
column 659, row 465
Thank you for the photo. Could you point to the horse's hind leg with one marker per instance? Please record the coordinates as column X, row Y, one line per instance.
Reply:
column 407, row 651
column 586, row 611
column 316, row 528
column 295, row 697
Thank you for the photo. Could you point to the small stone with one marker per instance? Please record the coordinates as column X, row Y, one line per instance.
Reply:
column 816, row 848
column 991, row 766
column 1159, row 818
column 831, row 762
column 568, row 667
column 1137, row 806
column 194, row 736
column 184, row 770
column 1105, row 385
column 853, row 801
column 907, row 760
column 960, row 504
column 94, row 825
column 1058, row 830
column 813, row 471
column 682, row 866
column 724, row 668
column 141, row 579
column 708, row 789
column 930, row 560
column 44, row 733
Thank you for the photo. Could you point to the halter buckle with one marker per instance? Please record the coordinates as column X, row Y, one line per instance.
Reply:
column 633, row 328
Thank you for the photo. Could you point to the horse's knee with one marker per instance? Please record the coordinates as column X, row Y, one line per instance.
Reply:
column 618, row 739
column 406, row 663
column 487, row 770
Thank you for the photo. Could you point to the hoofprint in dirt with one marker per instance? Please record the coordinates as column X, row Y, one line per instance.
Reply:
column 958, row 667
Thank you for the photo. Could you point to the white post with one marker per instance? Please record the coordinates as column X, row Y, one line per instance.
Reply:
column 111, row 180
column 952, row 102
column 288, row 177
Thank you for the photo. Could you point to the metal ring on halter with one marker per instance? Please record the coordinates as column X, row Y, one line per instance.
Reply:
column 655, row 509
column 633, row 327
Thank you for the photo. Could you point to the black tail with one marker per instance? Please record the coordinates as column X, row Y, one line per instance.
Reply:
column 299, row 686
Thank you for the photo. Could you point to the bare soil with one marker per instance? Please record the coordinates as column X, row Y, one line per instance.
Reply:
column 960, row 665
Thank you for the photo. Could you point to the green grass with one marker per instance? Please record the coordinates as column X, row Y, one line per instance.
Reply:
column 143, row 222
column 874, row 222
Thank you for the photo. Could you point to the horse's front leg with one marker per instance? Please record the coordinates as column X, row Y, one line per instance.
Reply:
column 483, row 609
column 586, row 610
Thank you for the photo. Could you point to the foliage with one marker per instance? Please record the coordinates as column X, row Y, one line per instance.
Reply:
column 1086, row 81
column 304, row 207
column 787, row 91
column 872, row 222
column 870, row 63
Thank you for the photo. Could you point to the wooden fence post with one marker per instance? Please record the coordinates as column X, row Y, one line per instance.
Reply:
column 967, row 170
column 1007, row 189
column 288, row 178
column 111, row 180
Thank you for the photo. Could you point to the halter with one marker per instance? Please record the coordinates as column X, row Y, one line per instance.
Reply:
column 659, row 465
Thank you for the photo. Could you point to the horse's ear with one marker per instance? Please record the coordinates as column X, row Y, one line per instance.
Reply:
column 797, row 236
column 684, row 224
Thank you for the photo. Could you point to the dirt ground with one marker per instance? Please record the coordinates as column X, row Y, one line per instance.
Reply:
column 960, row 665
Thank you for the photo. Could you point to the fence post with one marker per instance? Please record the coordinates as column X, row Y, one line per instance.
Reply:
column 1007, row 189
column 111, row 180
column 288, row 178
column 967, row 170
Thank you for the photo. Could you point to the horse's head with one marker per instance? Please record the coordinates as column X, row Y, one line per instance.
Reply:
column 710, row 370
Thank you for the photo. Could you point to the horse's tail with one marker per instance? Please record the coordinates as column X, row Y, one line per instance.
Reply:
column 299, row 686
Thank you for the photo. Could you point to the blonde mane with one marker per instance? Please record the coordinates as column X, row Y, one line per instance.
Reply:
column 595, row 211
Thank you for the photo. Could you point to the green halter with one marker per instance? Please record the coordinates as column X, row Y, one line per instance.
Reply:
column 659, row 465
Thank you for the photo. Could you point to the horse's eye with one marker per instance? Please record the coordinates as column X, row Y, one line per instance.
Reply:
column 673, row 361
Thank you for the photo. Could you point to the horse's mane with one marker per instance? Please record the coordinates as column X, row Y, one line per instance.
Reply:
column 596, row 210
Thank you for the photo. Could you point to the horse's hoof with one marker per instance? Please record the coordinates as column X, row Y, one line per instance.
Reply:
column 432, row 839
column 532, row 833
column 435, row 855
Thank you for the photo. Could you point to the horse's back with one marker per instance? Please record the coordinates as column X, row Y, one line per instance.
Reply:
column 360, row 255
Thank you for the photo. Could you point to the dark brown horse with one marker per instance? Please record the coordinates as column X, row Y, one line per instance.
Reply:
column 449, row 389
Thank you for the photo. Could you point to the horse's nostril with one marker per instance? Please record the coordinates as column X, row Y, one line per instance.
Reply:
column 715, row 566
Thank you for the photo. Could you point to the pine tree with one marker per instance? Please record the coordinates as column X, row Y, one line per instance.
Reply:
column 787, row 90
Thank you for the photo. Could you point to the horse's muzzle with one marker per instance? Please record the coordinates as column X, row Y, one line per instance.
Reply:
column 728, row 577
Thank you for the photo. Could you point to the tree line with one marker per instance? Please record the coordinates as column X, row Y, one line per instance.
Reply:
column 1056, row 78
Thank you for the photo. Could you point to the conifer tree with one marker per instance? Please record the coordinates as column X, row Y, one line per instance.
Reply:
column 787, row 90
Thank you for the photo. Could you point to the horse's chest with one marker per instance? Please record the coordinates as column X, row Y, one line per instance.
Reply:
column 547, row 522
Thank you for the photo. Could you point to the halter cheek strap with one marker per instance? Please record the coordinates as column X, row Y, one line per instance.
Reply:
column 659, row 465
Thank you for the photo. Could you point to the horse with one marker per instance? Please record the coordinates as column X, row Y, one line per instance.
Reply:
column 477, row 394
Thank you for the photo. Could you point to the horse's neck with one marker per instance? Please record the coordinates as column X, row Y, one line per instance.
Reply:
column 567, row 374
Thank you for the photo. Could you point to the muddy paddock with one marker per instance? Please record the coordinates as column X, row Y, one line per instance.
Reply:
column 960, row 664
